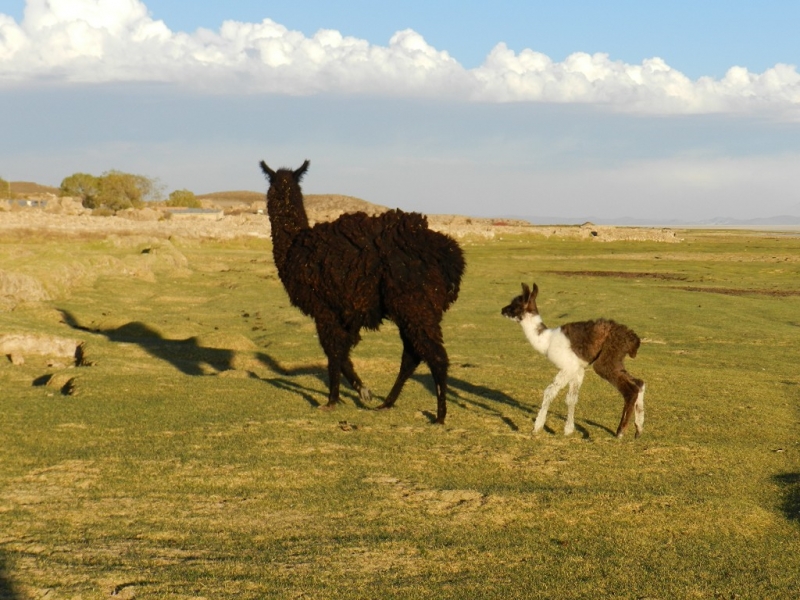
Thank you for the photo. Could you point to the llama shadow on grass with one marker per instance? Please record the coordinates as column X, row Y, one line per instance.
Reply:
column 7, row 591
column 310, row 395
column 460, row 391
column 185, row 355
column 466, row 393
column 791, row 500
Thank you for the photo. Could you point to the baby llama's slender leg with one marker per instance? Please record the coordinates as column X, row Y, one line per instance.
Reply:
column 562, row 378
column 638, row 408
column 572, row 399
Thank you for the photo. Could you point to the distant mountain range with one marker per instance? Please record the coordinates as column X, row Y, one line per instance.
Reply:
column 26, row 188
column 777, row 221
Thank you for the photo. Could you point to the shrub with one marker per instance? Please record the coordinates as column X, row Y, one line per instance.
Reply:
column 183, row 198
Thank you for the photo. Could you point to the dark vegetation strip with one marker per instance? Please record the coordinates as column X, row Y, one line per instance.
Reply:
column 739, row 292
column 622, row 274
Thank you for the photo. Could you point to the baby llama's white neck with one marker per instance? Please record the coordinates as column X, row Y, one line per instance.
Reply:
column 537, row 332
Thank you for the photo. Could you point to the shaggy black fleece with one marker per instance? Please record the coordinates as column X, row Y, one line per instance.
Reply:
column 357, row 271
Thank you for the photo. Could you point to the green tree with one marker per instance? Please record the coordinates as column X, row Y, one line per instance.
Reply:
column 83, row 186
column 120, row 190
column 183, row 198
column 113, row 189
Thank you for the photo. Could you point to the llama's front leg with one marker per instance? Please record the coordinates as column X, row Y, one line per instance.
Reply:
column 550, row 392
column 334, row 380
column 572, row 400
column 335, row 344
column 408, row 364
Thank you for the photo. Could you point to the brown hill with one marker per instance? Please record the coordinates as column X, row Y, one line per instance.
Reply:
column 28, row 188
column 230, row 199
column 320, row 207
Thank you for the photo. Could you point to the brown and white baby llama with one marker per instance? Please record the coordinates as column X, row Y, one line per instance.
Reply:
column 573, row 347
column 357, row 271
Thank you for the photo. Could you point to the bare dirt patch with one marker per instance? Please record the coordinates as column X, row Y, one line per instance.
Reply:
column 44, row 345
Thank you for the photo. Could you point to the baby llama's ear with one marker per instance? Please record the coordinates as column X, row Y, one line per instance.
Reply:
column 525, row 292
column 535, row 291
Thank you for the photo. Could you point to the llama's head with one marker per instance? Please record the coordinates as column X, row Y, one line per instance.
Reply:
column 524, row 304
column 285, row 198
column 284, row 174
column 284, row 182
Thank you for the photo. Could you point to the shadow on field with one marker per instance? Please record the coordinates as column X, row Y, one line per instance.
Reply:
column 791, row 501
column 185, row 355
column 6, row 587
column 461, row 392
column 483, row 397
column 479, row 396
column 283, row 383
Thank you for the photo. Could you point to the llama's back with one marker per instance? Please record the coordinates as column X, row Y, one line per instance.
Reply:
column 357, row 263
column 416, row 256
column 590, row 339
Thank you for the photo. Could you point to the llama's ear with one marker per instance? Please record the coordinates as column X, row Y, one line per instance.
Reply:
column 298, row 174
column 534, row 291
column 525, row 292
column 267, row 171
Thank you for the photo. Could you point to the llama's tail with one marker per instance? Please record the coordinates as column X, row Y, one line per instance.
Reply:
column 453, row 269
column 633, row 342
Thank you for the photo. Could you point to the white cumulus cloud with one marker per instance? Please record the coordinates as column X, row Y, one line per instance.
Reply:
column 97, row 41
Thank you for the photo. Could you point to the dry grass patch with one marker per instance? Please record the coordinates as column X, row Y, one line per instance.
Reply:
column 158, row 480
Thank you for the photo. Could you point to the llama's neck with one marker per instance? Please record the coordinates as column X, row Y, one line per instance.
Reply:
column 287, row 218
column 537, row 332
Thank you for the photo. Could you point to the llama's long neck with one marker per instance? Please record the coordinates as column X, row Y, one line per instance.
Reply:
column 537, row 332
column 287, row 218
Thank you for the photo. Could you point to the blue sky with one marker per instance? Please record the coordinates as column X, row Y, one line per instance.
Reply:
column 697, row 38
column 572, row 109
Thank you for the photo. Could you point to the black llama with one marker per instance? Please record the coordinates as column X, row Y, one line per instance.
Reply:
column 357, row 271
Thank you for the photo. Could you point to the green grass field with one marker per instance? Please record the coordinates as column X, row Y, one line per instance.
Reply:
column 190, row 460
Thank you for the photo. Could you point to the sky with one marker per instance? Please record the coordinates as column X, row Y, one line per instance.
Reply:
column 617, row 109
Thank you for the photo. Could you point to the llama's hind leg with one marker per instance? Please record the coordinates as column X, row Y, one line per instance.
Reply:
column 612, row 369
column 429, row 347
column 423, row 343
column 633, row 395
column 632, row 391
column 438, row 363
column 638, row 407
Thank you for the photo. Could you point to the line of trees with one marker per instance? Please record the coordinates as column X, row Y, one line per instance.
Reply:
column 114, row 190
